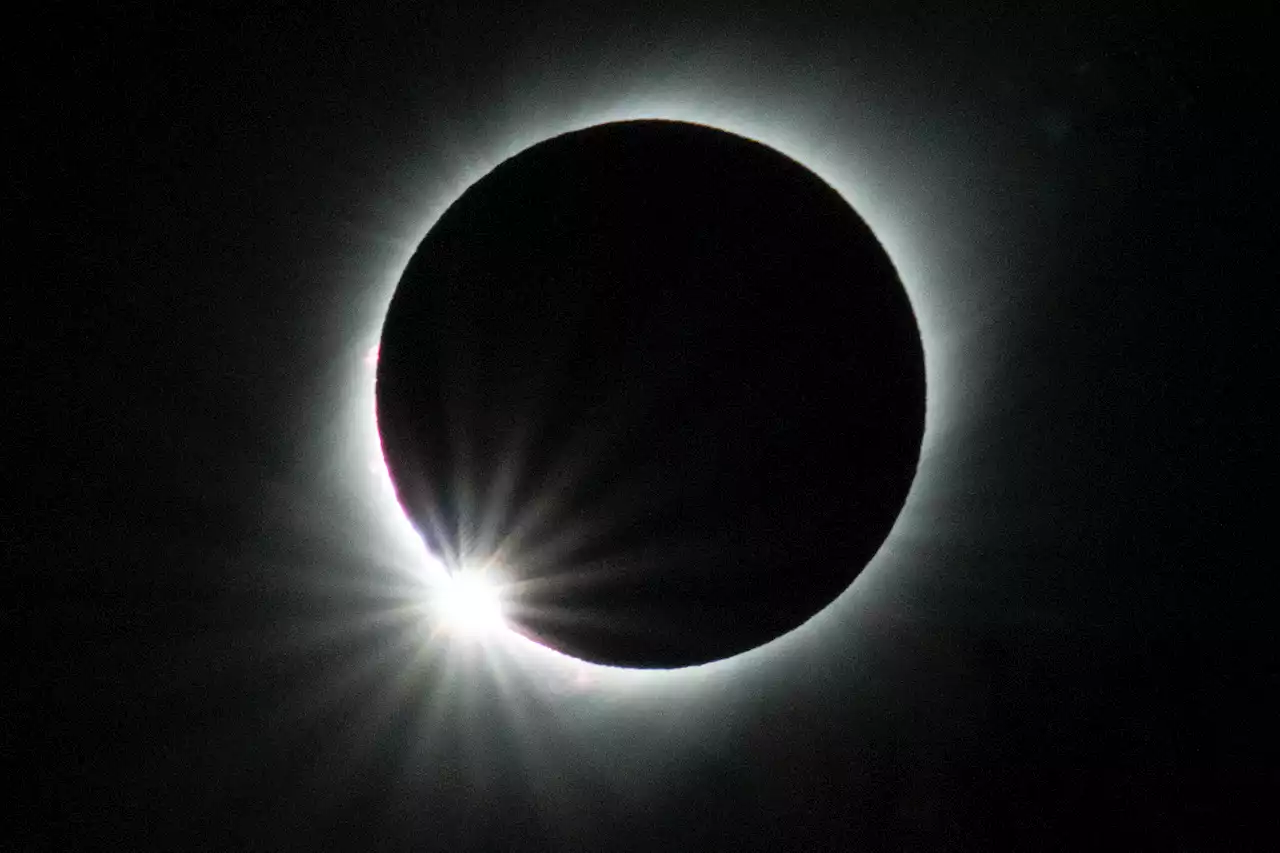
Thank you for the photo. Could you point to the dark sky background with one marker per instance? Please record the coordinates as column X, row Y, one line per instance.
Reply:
column 1065, row 645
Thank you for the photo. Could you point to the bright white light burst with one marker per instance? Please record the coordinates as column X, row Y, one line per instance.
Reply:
column 471, row 603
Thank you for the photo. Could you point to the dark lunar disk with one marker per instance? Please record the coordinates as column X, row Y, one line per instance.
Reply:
column 665, row 375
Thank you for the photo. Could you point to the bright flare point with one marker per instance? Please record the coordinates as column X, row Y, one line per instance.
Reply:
column 470, row 603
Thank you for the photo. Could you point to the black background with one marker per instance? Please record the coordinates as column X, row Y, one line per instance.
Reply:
column 1068, row 648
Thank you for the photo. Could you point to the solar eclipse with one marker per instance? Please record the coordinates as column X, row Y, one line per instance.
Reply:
column 668, row 376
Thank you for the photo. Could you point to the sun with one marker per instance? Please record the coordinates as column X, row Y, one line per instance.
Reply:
column 480, row 606
column 471, row 602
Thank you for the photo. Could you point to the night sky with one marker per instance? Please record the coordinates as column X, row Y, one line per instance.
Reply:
column 1056, row 632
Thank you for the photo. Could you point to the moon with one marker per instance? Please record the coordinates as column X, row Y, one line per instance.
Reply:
column 666, row 377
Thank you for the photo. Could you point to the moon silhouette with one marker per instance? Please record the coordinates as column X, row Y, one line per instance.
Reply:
column 667, row 378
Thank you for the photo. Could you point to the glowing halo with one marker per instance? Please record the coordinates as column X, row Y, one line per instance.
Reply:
column 919, row 271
